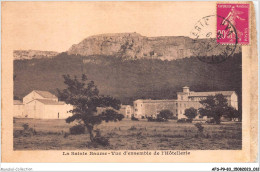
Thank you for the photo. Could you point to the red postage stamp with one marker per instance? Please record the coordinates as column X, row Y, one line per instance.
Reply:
column 233, row 24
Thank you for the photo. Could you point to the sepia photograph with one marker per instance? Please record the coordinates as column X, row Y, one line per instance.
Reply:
column 127, row 91
column 84, row 80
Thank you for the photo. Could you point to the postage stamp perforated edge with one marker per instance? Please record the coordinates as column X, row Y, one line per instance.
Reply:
column 248, row 22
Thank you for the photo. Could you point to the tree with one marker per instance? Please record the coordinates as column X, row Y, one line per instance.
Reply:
column 166, row 114
column 191, row 113
column 85, row 98
column 232, row 113
column 214, row 107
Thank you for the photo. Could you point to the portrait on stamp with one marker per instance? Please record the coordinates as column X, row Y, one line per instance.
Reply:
column 233, row 23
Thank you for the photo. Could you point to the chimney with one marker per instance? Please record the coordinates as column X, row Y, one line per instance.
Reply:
column 186, row 89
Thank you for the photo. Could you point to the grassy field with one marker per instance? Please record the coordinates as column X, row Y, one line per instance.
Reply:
column 127, row 134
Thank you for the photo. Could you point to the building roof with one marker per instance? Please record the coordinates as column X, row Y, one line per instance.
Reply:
column 50, row 102
column 18, row 102
column 212, row 93
column 45, row 94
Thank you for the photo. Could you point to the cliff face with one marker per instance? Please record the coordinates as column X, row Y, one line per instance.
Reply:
column 136, row 46
column 129, row 46
column 32, row 54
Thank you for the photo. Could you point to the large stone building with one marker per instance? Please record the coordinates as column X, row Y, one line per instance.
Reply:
column 42, row 105
column 185, row 99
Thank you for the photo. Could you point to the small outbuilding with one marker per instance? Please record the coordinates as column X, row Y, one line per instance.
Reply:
column 42, row 105
column 48, row 109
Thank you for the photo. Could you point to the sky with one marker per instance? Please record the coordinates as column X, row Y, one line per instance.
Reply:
column 56, row 26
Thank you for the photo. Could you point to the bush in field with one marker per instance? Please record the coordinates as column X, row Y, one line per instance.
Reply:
column 159, row 119
column 165, row 114
column 111, row 115
column 175, row 117
column 25, row 126
column 66, row 135
column 184, row 120
column 199, row 127
column 214, row 107
column 134, row 118
column 77, row 129
column 232, row 113
column 132, row 128
column 26, row 132
column 101, row 140
column 151, row 119
column 200, row 130
column 191, row 113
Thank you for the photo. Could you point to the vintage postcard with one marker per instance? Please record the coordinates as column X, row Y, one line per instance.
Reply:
column 129, row 82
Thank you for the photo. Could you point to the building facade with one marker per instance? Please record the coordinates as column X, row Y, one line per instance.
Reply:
column 127, row 111
column 185, row 100
column 43, row 105
column 151, row 108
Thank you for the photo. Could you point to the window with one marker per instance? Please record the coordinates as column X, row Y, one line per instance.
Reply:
column 136, row 110
column 181, row 97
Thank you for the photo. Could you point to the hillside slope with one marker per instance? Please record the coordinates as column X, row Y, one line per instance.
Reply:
column 131, row 79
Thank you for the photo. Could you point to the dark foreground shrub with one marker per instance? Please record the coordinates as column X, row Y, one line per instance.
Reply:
column 24, row 133
column 210, row 121
column 25, row 126
column 174, row 118
column 101, row 141
column 184, row 120
column 17, row 133
column 189, row 120
column 151, row 119
column 158, row 119
column 200, row 130
column 161, row 119
column 77, row 129
column 132, row 128
column 66, row 135
column 134, row 118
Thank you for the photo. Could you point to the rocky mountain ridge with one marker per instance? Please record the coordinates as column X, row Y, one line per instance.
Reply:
column 132, row 46
column 136, row 46
column 33, row 54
